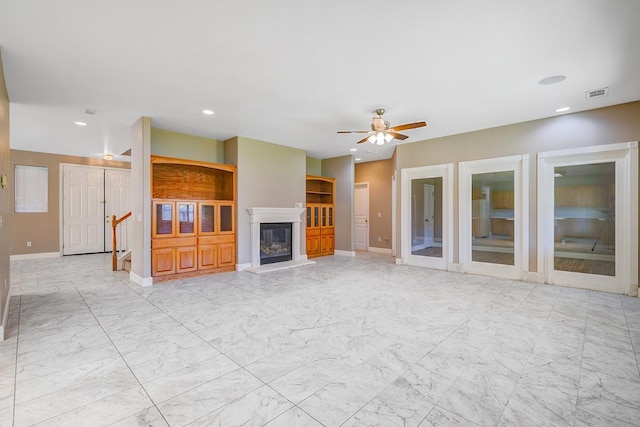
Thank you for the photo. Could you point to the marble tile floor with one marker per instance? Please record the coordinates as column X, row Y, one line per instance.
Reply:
column 346, row 342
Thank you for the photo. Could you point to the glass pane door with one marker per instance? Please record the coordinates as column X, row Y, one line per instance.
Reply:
column 492, row 217
column 226, row 218
column 207, row 218
column 163, row 216
column 426, row 217
column 584, row 218
column 186, row 218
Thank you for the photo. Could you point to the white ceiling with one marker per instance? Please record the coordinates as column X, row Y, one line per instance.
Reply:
column 295, row 72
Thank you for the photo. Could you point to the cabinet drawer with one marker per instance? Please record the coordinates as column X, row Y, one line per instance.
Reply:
column 314, row 231
column 214, row 240
column 172, row 242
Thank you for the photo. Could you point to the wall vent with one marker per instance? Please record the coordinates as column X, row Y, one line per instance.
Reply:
column 597, row 93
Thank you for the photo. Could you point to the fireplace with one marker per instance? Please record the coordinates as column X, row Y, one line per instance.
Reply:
column 275, row 242
column 263, row 219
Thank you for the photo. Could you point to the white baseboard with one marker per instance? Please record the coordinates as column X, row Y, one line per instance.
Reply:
column 380, row 250
column 240, row 267
column 455, row 268
column 344, row 253
column 5, row 319
column 532, row 277
column 35, row 256
column 142, row 281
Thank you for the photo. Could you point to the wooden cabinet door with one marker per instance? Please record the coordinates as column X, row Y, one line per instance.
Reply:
column 186, row 259
column 313, row 245
column 163, row 261
column 207, row 256
column 163, row 219
column 326, row 243
column 226, row 218
column 185, row 218
column 226, row 254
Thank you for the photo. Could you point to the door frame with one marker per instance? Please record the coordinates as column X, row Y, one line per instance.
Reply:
column 625, row 156
column 428, row 240
column 519, row 164
column 366, row 186
column 61, row 198
column 444, row 171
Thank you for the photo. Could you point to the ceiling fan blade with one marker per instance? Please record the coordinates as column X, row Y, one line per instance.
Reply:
column 363, row 140
column 408, row 126
column 398, row 136
column 354, row 131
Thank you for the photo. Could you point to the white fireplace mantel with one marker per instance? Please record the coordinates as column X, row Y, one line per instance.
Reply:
column 269, row 215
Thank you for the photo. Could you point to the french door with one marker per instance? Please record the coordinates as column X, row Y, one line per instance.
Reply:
column 426, row 211
column 90, row 196
column 588, row 216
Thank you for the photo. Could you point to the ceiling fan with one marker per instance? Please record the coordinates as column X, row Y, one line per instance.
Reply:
column 382, row 132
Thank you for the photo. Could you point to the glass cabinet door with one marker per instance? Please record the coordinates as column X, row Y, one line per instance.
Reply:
column 226, row 218
column 316, row 216
column 163, row 225
column 309, row 216
column 329, row 216
column 186, row 218
column 207, row 218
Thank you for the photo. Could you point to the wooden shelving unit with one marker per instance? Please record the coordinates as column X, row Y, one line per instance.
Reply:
column 193, row 228
column 320, row 216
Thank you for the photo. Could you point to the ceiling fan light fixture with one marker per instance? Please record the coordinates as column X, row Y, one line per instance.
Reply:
column 380, row 138
column 388, row 137
column 372, row 138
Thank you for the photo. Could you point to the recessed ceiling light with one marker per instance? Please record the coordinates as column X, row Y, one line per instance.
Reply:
column 80, row 123
column 354, row 149
column 551, row 80
column 358, row 159
column 207, row 112
column 562, row 109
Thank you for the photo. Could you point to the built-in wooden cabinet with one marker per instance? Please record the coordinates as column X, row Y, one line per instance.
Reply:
column 320, row 216
column 502, row 227
column 193, row 217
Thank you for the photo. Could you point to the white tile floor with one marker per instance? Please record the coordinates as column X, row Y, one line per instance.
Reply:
column 350, row 341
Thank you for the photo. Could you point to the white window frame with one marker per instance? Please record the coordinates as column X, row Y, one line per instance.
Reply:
column 625, row 156
column 31, row 189
column 444, row 171
column 519, row 164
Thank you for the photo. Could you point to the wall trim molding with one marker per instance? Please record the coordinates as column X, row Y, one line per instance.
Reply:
column 533, row 277
column 386, row 251
column 244, row 266
column 142, row 281
column 455, row 267
column 344, row 253
column 5, row 318
column 40, row 255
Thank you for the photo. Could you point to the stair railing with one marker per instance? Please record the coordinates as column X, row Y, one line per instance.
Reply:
column 123, row 233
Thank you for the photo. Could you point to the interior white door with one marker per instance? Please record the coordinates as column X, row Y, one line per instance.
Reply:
column 361, row 216
column 117, row 202
column 83, row 221
column 428, row 214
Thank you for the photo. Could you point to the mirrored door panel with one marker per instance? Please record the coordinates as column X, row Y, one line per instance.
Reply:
column 492, row 217
column 584, row 218
column 426, row 217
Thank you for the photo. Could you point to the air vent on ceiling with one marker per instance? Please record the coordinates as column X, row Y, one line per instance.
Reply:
column 597, row 93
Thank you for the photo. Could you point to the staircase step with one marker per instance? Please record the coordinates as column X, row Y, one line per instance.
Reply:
column 126, row 266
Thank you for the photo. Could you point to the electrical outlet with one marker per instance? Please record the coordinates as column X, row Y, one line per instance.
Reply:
column 379, row 214
column 379, row 239
column 29, row 244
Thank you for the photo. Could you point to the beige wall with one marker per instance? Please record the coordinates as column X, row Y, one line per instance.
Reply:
column 43, row 229
column 616, row 124
column 5, row 198
column 378, row 175
column 269, row 175
column 314, row 166
column 343, row 170
column 183, row 146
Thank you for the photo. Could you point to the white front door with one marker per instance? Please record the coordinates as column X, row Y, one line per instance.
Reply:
column 361, row 216
column 117, row 202
column 83, row 207
column 428, row 215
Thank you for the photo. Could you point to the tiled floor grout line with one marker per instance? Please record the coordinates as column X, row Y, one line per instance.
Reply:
column 122, row 357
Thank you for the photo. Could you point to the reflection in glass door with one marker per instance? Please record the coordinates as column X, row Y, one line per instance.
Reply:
column 492, row 217
column 426, row 209
column 584, row 218
column 426, row 217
